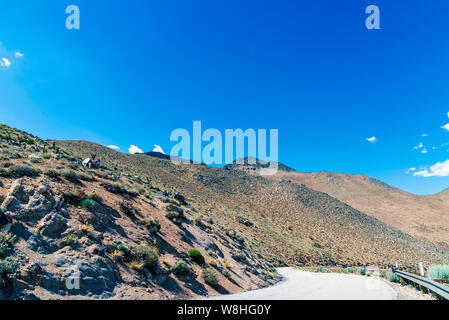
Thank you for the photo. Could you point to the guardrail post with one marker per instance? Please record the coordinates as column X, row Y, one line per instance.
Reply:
column 421, row 269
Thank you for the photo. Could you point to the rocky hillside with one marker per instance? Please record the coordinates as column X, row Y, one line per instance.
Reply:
column 425, row 217
column 140, row 227
column 283, row 222
column 114, row 233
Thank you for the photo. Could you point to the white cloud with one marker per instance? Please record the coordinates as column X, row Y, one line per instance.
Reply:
column 372, row 139
column 5, row 63
column 448, row 114
column 410, row 170
column 421, row 147
column 439, row 169
column 446, row 126
column 158, row 149
column 18, row 54
column 114, row 147
column 134, row 149
column 425, row 135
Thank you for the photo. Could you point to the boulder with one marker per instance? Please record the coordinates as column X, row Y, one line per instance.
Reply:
column 53, row 224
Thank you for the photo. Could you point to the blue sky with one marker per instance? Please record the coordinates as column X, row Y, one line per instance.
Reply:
column 136, row 70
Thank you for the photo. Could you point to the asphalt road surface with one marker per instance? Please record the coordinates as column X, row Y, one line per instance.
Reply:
column 301, row 285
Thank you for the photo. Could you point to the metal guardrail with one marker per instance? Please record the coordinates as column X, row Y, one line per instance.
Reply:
column 433, row 286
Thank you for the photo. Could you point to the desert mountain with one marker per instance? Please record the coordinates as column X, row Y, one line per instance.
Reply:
column 127, row 225
column 122, row 237
column 425, row 217
column 283, row 222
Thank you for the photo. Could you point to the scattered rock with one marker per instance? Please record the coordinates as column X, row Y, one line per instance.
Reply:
column 53, row 224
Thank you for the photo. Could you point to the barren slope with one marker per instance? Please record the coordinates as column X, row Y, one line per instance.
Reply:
column 285, row 222
column 121, row 235
column 426, row 217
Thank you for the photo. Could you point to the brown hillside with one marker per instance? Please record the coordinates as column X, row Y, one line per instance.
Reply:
column 425, row 217
column 283, row 222
column 127, row 239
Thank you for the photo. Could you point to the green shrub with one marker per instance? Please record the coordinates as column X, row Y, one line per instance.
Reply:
column 180, row 268
column 147, row 255
column 19, row 171
column 74, row 196
column 439, row 271
column 121, row 247
column 70, row 176
column 128, row 208
column 196, row 256
column 8, row 265
column 383, row 274
column 226, row 273
column 350, row 270
column 198, row 221
column 52, row 174
column 322, row 269
column 6, row 239
column 238, row 256
column 361, row 271
column 172, row 215
column 210, row 277
column 69, row 240
column 95, row 197
column 118, row 189
column 88, row 203
column 153, row 225
column 393, row 277
column 245, row 221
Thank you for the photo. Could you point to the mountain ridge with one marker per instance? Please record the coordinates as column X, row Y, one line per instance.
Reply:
column 235, row 193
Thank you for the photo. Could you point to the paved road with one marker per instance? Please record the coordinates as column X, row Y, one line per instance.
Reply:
column 301, row 285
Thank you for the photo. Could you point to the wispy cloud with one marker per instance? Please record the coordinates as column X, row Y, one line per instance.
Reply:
column 439, row 169
column 5, row 63
column 425, row 135
column 410, row 170
column 446, row 126
column 372, row 139
column 114, row 147
column 18, row 54
column 134, row 149
column 421, row 148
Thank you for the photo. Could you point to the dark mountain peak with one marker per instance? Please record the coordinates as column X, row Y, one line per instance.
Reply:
column 255, row 164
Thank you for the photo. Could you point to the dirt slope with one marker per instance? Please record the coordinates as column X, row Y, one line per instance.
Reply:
column 285, row 222
column 425, row 217
column 124, row 238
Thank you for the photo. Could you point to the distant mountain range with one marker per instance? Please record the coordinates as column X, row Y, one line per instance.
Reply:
column 290, row 223
column 426, row 217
